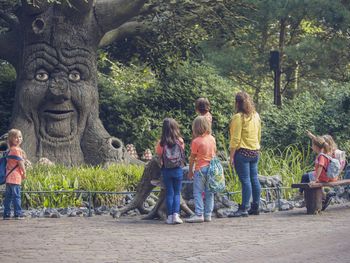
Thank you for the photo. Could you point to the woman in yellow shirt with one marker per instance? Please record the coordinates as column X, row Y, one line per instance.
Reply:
column 245, row 133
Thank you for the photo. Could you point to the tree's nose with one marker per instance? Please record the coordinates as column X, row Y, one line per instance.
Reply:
column 58, row 90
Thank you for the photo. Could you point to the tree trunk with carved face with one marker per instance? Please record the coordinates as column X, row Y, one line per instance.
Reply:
column 53, row 48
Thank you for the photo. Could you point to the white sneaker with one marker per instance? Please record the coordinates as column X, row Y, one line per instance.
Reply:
column 177, row 219
column 207, row 218
column 195, row 219
column 169, row 220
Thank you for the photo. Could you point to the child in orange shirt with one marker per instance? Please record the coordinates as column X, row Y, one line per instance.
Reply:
column 15, row 171
column 203, row 149
column 320, row 147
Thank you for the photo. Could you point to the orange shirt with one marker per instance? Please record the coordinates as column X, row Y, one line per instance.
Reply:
column 204, row 148
column 159, row 149
column 323, row 161
column 16, row 176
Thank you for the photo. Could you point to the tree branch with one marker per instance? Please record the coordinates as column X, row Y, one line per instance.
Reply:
column 10, row 20
column 125, row 30
column 112, row 13
column 34, row 7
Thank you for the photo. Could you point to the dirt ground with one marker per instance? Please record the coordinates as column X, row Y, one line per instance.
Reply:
column 290, row 236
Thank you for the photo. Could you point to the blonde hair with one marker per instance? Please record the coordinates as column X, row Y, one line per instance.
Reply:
column 330, row 142
column 244, row 103
column 12, row 134
column 201, row 126
column 321, row 143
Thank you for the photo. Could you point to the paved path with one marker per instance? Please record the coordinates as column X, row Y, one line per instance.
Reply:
column 290, row 236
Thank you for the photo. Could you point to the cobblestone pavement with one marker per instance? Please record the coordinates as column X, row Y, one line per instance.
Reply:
column 290, row 236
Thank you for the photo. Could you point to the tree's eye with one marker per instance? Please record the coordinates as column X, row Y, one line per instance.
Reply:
column 41, row 75
column 74, row 76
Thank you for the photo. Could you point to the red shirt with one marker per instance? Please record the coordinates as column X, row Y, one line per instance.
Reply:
column 16, row 176
column 323, row 161
column 159, row 148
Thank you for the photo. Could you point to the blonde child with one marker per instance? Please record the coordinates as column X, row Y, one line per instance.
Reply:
column 202, row 107
column 320, row 147
column 15, row 171
column 203, row 149
column 172, row 173
column 335, row 152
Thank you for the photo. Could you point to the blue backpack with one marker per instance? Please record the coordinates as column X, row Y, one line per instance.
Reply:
column 216, row 177
column 334, row 168
column 3, row 162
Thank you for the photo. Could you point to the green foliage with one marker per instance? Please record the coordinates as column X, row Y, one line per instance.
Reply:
column 285, row 126
column 116, row 178
column 7, row 94
column 138, row 118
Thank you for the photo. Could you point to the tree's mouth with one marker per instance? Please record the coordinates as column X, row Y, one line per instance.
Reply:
column 58, row 112
column 58, row 115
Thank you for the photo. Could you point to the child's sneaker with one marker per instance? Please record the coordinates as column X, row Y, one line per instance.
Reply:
column 169, row 220
column 155, row 182
column 19, row 217
column 207, row 218
column 177, row 219
column 195, row 219
column 328, row 200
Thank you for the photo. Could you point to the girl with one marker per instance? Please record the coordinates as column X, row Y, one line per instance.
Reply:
column 203, row 149
column 245, row 134
column 15, row 171
column 172, row 177
column 320, row 147
column 335, row 152
column 202, row 107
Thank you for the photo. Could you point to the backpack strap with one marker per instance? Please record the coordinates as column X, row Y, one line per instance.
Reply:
column 12, row 170
column 14, row 157
column 327, row 156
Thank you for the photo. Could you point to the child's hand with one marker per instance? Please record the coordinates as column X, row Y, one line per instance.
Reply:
column 309, row 134
column 190, row 175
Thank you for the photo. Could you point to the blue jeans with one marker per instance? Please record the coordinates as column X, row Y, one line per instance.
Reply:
column 200, row 185
column 12, row 194
column 247, row 170
column 173, row 182
column 307, row 178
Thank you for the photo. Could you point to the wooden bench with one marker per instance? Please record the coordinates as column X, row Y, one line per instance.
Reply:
column 313, row 194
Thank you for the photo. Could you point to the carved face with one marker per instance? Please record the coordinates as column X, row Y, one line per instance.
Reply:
column 58, row 91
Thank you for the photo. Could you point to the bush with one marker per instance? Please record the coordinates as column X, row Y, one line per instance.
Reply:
column 138, row 118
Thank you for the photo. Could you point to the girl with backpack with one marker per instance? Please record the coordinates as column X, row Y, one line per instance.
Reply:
column 170, row 150
column 203, row 149
column 245, row 134
column 324, row 146
column 16, row 172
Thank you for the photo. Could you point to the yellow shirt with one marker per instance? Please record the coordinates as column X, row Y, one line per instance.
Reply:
column 245, row 132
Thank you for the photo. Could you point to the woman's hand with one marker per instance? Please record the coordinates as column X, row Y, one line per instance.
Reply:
column 232, row 155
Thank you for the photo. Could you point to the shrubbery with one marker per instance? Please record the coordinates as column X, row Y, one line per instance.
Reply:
column 138, row 118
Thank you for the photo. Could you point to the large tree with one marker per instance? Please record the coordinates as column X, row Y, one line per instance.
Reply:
column 53, row 49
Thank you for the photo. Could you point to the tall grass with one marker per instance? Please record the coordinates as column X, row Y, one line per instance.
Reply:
column 289, row 165
column 115, row 178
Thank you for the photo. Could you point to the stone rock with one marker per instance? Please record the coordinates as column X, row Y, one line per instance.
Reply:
column 45, row 161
